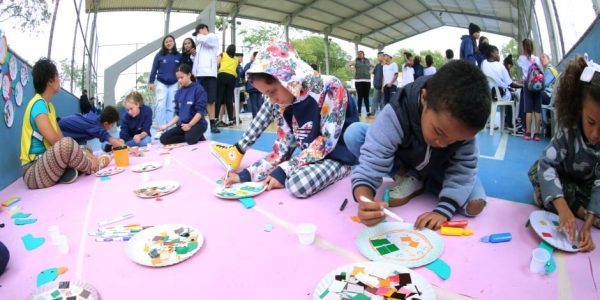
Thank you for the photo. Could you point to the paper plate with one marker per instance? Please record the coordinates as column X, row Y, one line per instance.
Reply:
column 240, row 190
column 3, row 50
column 400, row 243
column 173, row 146
column 9, row 113
column 155, row 189
column 12, row 67
column 146, row 167
column 169, row 244
column 418, row 283
column 64, row 289
column 109, row 171
column 24, row 74
column 545, row 224
column 18, row 94
column 6, row 87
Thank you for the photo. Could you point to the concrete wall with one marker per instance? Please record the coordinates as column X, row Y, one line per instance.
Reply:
column 10, row 138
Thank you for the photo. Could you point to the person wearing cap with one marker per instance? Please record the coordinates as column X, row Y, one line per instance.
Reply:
column 205, row 68
column 468, row 44
column 312, row 113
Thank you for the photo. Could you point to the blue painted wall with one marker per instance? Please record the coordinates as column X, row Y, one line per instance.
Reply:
column 64, row 102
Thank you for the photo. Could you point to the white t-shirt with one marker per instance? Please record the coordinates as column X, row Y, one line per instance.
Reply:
column 408, row 75
column 389, row 70
column 525, row 63
column 429, row 71
column 497, row 76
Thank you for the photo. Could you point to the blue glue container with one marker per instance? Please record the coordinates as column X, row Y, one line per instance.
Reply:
column 497, row 238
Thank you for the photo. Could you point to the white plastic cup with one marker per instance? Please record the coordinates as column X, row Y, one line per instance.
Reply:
column 306, row 233
column 145, row 176
column 539, row 258
column 54, row 231
column 62, row 243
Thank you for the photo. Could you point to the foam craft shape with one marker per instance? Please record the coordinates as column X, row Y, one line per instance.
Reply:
column 426, row 289
column 31, row 242
column 11, row 201
column 248, row 202
column 49, row 275
column 441, row 268
column 104, row 178
column 545, row 225
column 20, row 215
column 24, row 221
column 400, row 243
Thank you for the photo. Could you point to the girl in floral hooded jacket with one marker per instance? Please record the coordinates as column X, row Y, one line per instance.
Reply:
column 311, row 112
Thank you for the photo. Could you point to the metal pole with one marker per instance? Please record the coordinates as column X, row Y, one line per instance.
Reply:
column 91, row 49
column 556, row 55
column 233, row 25
column 168, row 16
column 326, row 39
column 52, row 29
column 77, row 21
column 560, row 34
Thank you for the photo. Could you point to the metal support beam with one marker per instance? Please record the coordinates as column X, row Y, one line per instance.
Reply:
column 560, row 34
column 168, row 16
column 356, row 49
column 77, row 22
column 234, row 14
column 52, row 29
column 550, row 23
column 286, row 27
column 91, row 50
column 596, row 4
column 326, row 42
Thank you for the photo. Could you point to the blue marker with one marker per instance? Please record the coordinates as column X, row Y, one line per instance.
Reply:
column 497, row 238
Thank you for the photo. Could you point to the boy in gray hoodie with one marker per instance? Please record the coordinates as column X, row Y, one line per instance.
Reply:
column 428, row 129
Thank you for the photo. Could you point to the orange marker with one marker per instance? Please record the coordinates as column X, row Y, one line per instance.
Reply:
column 455, row 231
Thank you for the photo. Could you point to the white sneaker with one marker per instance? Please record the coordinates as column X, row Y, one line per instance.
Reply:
column 406, row 187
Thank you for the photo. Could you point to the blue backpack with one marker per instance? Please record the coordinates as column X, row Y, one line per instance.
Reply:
column 535, row 78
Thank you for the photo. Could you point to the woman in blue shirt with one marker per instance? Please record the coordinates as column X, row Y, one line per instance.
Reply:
column 135, row 124
column 190, row 109
column 162, row 79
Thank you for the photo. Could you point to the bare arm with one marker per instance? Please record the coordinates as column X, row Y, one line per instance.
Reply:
column 45, row 127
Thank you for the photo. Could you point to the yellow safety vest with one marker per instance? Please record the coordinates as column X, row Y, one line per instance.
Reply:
column 27, row 132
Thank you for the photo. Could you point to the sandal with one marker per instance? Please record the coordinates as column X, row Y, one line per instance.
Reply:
column 527, row 136
column 536, row 137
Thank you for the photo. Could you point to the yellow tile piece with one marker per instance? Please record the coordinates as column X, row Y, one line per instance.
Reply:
column 355, row 219
column 406, row 239
column 390, row 292
column 384, row 282
column 357, row 270
column 156, row 261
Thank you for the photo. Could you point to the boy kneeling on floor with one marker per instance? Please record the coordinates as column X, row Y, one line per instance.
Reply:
column 427, row 134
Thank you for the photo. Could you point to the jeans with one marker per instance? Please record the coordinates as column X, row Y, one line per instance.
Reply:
column 143, row 142
column 387, row 93
column 165, row 102
column 376, row 100
column 354, row 137
column 256, row 101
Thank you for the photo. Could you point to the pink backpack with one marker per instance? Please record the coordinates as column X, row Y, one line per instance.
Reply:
column 535, row 78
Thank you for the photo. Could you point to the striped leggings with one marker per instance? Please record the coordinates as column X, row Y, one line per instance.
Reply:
column 49, row 167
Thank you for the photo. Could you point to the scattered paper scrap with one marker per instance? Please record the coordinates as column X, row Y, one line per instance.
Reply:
column 31, row 242
column 24, row 221
column 248, row 202
column 11, row 201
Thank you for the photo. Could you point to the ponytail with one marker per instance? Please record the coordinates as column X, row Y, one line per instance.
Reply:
column 572, row 92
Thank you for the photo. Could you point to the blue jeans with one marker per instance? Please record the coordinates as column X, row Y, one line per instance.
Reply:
column 354, row 137
column 143, row 142
column 376, row 101
column 165, row 102
column 256, row 101
column 388, row 92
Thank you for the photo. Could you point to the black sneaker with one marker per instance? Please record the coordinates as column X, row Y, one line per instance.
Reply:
column 107, row 148
column 222, row 124
column 213, row 127
column 69, row 176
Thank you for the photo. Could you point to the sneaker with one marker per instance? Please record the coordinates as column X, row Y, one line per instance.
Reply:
column 520, row 131
column 229, row 156
column 406, row 188
column 213, row 127
column 69, row 176
column 222, row 124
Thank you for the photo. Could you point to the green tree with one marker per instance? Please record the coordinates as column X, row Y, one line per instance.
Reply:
column 67, row 73
column 29, row 15
column 438, row 58
column 512, row 48
column 398, row 58
column 312, row 50
column 254, row 38
column 143, row 88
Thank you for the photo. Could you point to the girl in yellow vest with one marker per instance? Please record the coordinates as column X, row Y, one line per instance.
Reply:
column 226, row 84
column 47, row 157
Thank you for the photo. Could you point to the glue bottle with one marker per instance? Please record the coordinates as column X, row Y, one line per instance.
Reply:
column 455, row 231
column 497, row 238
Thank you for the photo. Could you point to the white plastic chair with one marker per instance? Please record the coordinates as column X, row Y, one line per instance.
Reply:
column 502, row 104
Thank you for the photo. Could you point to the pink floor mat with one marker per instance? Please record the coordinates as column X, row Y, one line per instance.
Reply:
column 240, row 260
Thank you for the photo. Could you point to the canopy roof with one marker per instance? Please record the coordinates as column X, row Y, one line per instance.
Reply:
column 373, row 23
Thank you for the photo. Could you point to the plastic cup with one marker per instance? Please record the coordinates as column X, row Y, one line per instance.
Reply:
column 62, row 243
column 306, row 233
column 54, row 231
column 145, row 176
column 121, row 156
column 539, row 258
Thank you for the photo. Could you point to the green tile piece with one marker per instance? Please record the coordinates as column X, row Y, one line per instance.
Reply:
column 55, row 294
column 181, row 250
column 323, row 294
column 383, row 250
column 192, row 246
column 380, row 242
column 392, row 247
column 361, row 297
